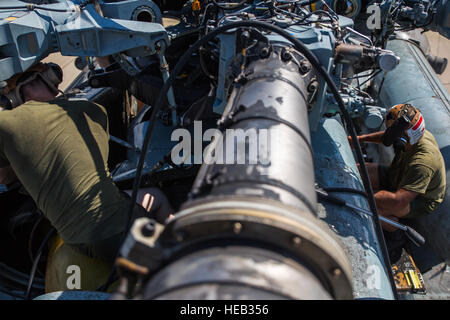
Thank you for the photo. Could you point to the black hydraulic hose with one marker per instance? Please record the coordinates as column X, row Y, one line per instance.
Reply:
column 30, row 238
column 32, row 7
column 306, row 3
column 361, row 76
column 332, row 86
column 205, row 67
column 237, row 5
column 112, row 277
column 346, row 190
column 371, row 76
column 412, row 234
column 36, row 262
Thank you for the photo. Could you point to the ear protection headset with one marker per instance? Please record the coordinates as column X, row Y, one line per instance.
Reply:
column 405, row 125
column 50, row 73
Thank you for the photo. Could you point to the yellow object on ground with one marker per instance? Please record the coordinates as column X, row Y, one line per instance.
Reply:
column 408, row 279
column 70, row 270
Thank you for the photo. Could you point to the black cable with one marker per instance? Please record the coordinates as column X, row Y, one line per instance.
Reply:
column 237, row 5
column 304, row 17
column 317, row 12
column 381, row 86
column 112, row 277
column 322, row 72
column 113, row 274
column 346, row 190
column 205, row 67
column 32, row 7
column 306, row 3
column 205, row 14
column 35, row 263
column 13, row 8
column 361, row 76
column 17, row 7
column 30, row 238
column 329, row 9
column 371, row 76
column 359, row 91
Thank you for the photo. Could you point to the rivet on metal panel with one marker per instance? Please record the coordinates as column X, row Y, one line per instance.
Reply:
column 237, row 227
column 336, row 272
column 296, row 241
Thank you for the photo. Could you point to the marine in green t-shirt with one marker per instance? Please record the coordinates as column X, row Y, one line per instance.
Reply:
column 414, row 184
column 59, row 152
column 420, row 169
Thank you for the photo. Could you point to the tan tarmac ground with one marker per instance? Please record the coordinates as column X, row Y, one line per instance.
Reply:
column 440, row 46
column 67, row 65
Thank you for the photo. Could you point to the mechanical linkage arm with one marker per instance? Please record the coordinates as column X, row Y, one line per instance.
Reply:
column 30, row 32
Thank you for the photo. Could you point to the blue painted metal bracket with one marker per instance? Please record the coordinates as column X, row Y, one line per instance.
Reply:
column 28, row 36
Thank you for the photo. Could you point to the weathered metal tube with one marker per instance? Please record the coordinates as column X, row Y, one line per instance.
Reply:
column 251, row 231
column 336, row 171
column 271, row 111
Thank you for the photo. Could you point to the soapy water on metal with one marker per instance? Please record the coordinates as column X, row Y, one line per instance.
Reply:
column 274, row 88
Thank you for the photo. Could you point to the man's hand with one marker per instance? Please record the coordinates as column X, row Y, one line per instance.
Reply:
column 375, row 137
column 153, row 199
column 350, row 140
column 394, row 204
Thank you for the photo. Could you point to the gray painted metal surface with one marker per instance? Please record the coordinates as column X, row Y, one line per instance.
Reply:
column 26, row 37
column 236, row 205
column 335, row 167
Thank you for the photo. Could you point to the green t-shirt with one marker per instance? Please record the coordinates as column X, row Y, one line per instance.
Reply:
column 421, row 169
column 59, row 152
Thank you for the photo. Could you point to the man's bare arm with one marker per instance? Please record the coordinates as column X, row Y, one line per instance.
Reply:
column 375, row 137
column 394, row 203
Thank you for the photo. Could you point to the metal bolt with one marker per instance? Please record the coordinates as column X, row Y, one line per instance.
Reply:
column 312, row 87
column 285, row 55
column 159, row 46
column 305, row 66
column 296, row 241
column 264, row 53
column 245, row 36
column 80, row 63
column 148, row 229
column 336, row 272
column 237, row 227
